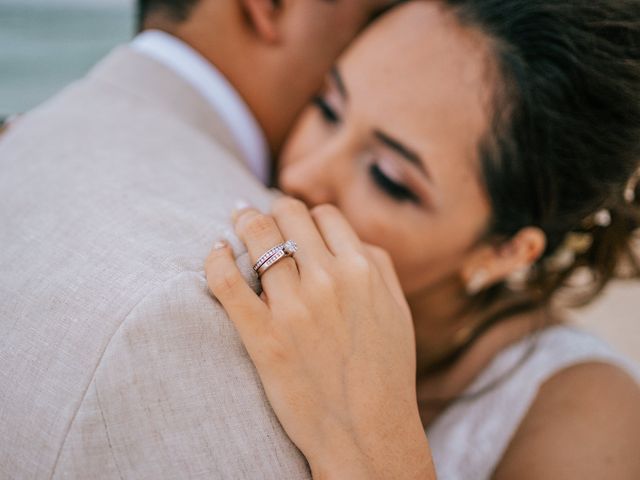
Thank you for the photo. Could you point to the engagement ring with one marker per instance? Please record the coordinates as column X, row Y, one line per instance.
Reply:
column 274, row 255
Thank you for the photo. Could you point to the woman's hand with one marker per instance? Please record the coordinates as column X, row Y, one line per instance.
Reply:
column 333, row 342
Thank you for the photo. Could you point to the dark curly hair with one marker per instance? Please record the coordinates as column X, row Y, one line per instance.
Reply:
column 564, row 142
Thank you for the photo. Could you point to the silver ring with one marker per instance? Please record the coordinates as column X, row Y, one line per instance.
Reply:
column 274, row 255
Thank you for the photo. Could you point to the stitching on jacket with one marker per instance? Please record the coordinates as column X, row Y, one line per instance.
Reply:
column 99, row 362
column 106, row 429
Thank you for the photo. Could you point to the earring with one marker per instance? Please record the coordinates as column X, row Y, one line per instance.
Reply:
column 517, row 281
column 477, row 282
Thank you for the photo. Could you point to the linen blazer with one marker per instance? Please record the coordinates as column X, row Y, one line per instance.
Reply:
column 115, row 362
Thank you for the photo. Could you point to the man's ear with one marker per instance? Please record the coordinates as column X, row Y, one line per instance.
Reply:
column 492, row 264
column 263, row 16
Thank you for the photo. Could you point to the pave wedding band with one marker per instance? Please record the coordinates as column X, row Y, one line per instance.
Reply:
column 274, row 255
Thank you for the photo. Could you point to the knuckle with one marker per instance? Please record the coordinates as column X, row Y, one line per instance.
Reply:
column 211, row 261
column 323, row 282
column 224, row 282
column 289, row 315
column 289, row 265
column 324, row 210
column 357, row 266
column 274, row 349
column 258, row 225
column 297, row 312
column 214, row 261
column 285, row 265
column 379, row 253
column 288, row 206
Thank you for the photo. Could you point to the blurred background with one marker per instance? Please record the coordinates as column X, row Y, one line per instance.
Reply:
column 45, row 44
column 615, row 316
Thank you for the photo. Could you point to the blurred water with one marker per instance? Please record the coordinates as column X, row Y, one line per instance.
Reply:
column 44, row 46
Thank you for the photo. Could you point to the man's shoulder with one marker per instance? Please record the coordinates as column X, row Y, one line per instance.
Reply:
column 176, row 383
column 127, row 105
column 102, row 156
column 113, row 204
column 109, row 208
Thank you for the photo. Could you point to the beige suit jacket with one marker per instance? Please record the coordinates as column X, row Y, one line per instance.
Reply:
column 114, row 360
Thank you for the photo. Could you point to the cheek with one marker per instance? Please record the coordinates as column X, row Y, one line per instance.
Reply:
column 425, row 260
column 424, row 251
column 406, row 246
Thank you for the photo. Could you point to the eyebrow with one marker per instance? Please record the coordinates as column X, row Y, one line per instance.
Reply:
column 390, row 142
column 406, row 152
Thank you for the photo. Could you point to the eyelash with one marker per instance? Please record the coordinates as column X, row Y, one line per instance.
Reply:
column 394, row 190
column 328, row 113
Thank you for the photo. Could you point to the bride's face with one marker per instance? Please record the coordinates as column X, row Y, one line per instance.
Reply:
column 393, row 142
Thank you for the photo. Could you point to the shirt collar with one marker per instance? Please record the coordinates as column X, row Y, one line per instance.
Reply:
column 216, row 89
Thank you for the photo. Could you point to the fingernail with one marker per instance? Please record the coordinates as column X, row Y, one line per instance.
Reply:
column 242, row 204
column 219, row 245
column 239, row 207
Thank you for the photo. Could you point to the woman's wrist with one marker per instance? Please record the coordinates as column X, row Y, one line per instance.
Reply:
column 405, row 454
column 344, row 464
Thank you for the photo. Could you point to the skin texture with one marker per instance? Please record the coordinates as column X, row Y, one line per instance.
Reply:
column 257, row 44
column 434, row 98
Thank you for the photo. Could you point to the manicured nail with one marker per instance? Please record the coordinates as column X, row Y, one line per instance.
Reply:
column 219, row 245
column 241, row 205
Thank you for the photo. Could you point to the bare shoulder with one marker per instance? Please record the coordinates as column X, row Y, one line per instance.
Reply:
column 584, row 423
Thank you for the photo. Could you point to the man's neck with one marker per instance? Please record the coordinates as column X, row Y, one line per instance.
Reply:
column 209, row 82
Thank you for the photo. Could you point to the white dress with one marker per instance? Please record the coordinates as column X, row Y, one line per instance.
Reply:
column 470, row 437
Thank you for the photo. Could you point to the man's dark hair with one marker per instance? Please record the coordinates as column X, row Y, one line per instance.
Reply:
column 177, row 10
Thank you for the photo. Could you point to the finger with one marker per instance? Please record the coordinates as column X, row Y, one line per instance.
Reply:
column 336, row 231
column 383, row 263
column 226, row 283
column 260, row 233
column 295, row 223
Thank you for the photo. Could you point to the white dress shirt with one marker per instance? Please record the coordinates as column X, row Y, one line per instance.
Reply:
column 216, row 89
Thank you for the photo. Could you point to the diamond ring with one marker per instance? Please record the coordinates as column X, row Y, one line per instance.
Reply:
column 274, row 255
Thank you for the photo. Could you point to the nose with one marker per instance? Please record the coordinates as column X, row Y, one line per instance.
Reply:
column 317, row 177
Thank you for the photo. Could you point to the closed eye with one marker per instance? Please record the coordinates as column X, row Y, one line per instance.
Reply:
column 328, row 113
column 394, row 190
